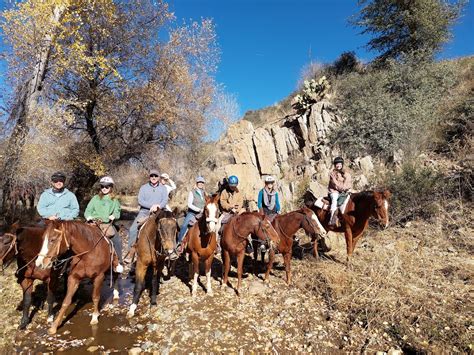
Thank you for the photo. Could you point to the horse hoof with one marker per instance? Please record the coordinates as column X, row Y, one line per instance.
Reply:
column 131, row 311
column 52, row 331
column 116, row 295
column 95, row 319
column 130, row 314
column 210, row 293
column 22, row 325
column 50, row 319
column 153, row 303
column 119, row 269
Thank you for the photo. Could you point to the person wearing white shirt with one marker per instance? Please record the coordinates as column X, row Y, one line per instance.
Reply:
column 168, row 184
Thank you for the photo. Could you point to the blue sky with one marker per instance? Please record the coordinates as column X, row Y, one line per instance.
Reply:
column 265, row 43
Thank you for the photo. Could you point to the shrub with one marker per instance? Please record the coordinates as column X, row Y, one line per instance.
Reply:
column 417, row 192
column 391, row 109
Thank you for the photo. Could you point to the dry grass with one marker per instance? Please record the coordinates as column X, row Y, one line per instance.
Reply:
column 409, row 288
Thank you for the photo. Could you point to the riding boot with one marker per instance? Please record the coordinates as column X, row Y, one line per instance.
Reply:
column 130, row 255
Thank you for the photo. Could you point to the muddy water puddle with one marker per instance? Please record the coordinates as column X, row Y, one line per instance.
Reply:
column 113, row 333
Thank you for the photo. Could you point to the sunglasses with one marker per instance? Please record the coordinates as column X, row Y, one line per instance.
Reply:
column 57, row 180
column 105, row 186
column 153, row 176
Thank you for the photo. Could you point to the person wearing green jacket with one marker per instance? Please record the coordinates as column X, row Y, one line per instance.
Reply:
column 104, row 209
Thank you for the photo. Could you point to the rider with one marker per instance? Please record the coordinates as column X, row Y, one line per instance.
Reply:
column 168, row 184
column 231, row 202
column 105, row 209
column 268, row 201
column 58, row 203
column 196, row 204
column 151, row 197
column 340, row 181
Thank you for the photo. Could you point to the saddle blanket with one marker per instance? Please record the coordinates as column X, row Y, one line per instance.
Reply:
column 342, row 202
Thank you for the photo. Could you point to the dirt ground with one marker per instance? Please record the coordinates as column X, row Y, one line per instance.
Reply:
column 408, row 289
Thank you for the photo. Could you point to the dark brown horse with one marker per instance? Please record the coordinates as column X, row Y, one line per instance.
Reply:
column 234, row 240
column 92, row 258
column 202, row 242
column 24, row 243
column 156, row 242
column 287, row 225
column 354, row 221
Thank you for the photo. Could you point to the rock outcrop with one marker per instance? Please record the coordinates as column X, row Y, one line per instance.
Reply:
column 294, row 149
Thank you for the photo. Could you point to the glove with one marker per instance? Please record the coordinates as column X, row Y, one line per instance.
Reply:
column 111, row 218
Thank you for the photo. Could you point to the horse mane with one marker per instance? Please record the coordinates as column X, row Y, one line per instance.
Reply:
column 362, row 195
column 77, row 227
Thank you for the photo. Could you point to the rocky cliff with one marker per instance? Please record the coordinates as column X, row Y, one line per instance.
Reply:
column 295, row 149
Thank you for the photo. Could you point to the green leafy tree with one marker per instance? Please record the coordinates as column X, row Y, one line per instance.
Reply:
column 404, row 27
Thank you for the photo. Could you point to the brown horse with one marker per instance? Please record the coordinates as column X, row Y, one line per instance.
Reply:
column 287, row 225
column 92, row 258
column 156, row 242
column 360, row 207
column 202, row 242
column 234, row 240
column 24, row 243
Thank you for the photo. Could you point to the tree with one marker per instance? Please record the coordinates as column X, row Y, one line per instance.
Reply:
column 403, row 27
column 123, row 78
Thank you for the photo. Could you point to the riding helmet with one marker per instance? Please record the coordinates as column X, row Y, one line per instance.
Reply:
column 233, row 180
column 338, row 160
column 269, row 179
column 200, row 179
column 106, row 181
column 58, row 176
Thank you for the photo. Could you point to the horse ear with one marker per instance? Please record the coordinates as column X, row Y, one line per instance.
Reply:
column 387, row 194
column 15, row 226
column 175, row 211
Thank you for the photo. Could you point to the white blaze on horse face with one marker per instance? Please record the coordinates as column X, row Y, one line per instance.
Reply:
column 43, row 252
column 212, row 218
column 321, row 228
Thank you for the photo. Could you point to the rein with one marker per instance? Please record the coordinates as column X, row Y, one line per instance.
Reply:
column 12, row 245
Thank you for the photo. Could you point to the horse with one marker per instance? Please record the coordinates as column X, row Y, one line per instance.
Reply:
column 91, row 258
column 156, row 242
column 24, row 244
column 287, row 225
column 355, row 219
column 202, row 242
column 234, row 240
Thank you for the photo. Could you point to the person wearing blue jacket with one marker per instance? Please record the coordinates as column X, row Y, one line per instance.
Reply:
column 57, row 202
column 268, row 200
column 151, row 197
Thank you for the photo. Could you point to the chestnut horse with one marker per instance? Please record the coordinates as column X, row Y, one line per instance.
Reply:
column 354, row 221
column 91, row 259
column 234, row 240
column 156, row 242
column 202, row 242
column 287, row 225
column 24, row 244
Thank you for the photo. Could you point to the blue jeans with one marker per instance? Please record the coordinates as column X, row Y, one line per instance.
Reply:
column 117, row 243
column 133, row 231
column 184, row 226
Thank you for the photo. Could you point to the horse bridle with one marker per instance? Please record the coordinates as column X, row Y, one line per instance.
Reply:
column 12, row 245
column 267, row 238
column 161, row 252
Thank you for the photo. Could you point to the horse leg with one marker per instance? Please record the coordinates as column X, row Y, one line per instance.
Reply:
column 140, row 271
column 255, row 258
column 271, row 258
column 348, row 235
column 315, row 249
column 240, row 269
column 116, row 285
column 195, row 261
column 72, row 285
column 355, row 239
column 27, row 286
column 154, row 285
column 96, row 297
column 208, row 275
column 52, row 287
column 225, row 267
column 287, row 261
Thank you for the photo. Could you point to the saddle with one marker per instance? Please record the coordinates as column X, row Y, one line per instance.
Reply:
column 325, row 202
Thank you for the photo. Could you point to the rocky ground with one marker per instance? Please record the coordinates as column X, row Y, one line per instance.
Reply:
column 409, row 289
